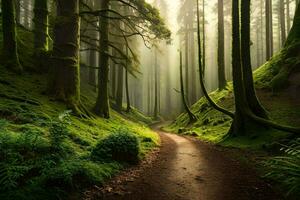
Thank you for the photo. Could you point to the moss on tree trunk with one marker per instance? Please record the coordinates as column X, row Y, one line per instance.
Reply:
column 65, row 77
column 40, row 26
column 10, row 48
column 102, row 104
column 252, row 99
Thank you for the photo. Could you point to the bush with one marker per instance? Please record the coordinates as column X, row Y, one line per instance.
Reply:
column 121, row 146
column 286, row 169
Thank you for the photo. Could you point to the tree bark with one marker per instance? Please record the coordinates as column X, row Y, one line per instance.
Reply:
column 127, row 85
column 282, row 22
column 211, row 102
column 240, row 118
column 288, row 16
column 102, row 104
column 221, row 58
column 269, row 30
column 10, row 47
column 204, row 41
column 40, row 26
column 254, row 104
column 156, row 79
column 192, row 117
column 65, row 80
column 120, row 86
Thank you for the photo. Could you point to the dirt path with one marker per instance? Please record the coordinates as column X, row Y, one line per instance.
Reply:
column 186, row 169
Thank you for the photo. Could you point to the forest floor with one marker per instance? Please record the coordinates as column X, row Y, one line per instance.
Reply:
column 186, row 169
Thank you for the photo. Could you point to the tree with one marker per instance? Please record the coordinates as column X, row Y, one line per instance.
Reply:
column 252, row 99
column 269, row 29
column 128, row 108
column 192, row 117
column 10, row 47
column 156, row 86
column 64, row 83
column 282, row 21
column 40, row 26
column 102, row 104
column 244, row 117
column 145, row 22
column 206, row 95
column 288, row 17
column 221, row 58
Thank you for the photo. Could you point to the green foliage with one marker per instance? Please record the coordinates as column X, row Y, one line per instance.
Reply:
column 285, row 169
column 43, row 155
column 121, row 146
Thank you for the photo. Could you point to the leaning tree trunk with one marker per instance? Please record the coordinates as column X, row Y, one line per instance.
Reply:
column 10, row 47
column 192, row 117
column 40, row 26
column 252, row 99
column 65, row 80
column 206, row 95
column 221, row 58
column 102, row 104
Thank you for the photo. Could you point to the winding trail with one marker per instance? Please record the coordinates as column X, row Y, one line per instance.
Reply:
column 187, row 169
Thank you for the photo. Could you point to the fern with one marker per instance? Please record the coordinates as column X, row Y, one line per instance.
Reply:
column 286, row 168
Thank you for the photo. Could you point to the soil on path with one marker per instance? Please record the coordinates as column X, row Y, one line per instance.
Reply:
column 187, row 169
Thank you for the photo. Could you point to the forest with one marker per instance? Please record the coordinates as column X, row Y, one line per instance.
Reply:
column 149, row 99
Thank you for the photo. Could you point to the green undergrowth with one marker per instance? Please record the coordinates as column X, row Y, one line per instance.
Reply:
column 45, row 151
column 213, row 126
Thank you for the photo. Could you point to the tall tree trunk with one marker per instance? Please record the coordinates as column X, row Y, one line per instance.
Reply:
column 156, row 106
column 268, row 45
column 271, row 28
column 113, row 68
column 40, row 26
column 92, row 71
column 10, row 47
column 211, row 102
column 204, row 40
column 282, row 22
column 18, row 11
column 240, row 117
column 120, row 86
column 192, row 117
column 288, row 16
column 221, row 58
column 102, row 104
column 254, row 104
column 187, row 60
column 262, row 33
column 65, row 81
column 126, row 85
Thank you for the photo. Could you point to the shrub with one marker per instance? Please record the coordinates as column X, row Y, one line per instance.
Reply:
column 120, row 146
column 286, row 169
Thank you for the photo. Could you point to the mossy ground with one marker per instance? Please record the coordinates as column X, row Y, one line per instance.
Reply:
column 25, row 109
column 213, row 126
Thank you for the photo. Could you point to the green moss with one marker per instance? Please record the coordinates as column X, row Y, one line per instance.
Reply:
column 213, row 126
column 24, row 109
